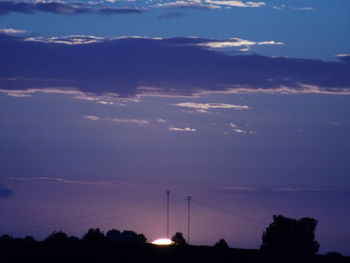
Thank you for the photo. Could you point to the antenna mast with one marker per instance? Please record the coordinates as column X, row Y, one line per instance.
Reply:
column 188, row 218
column 167, row 213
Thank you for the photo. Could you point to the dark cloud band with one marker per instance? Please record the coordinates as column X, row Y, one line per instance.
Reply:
column 132, row 65
column 63, row 8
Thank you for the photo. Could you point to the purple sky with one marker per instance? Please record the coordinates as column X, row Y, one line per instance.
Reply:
column 206, row 98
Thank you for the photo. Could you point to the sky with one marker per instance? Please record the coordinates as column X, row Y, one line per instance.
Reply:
column 243, row 105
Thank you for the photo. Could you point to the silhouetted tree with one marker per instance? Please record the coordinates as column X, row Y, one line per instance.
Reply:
column 290, row 236
column 178, row 239
column 94, row 234
column 141, row 238
column 58, row 237
column 113, row 235
column 6, row 237
column 73, row 239
column 221, row 244
column 29, row 239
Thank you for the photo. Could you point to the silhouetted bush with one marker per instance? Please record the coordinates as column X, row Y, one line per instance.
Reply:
column 94, row 234
column 178, row 239
column 221, row 244
column 290, row 236
column 58, row 237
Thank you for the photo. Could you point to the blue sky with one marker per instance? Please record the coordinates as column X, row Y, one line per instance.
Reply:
column 243, row 105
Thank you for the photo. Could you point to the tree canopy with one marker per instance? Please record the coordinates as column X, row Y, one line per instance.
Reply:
column 178, row 239
column 290, row 236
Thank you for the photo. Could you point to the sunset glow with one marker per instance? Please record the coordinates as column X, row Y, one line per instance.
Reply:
column 162, row 242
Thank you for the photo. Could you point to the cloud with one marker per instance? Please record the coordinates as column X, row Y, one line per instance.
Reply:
column 61, row 7
column 104, row 98
column 117, row 120
column 5, row 192
column 187, row 4
column 210, row 4
column 303, row 8
column 236, row 3
column 107, row 69
column 186, row 129
column 134, row 121
column 209, row 106
column 343, row 57
column 91, row 117
column 68, row 40
column 235, row 128
column 11, row 31
column 232, row 125
column 65, row 181
column 236, row 42
column 278, row 191
column 335, row 123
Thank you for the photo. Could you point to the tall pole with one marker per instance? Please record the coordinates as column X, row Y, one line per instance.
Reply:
column 167, row 213
column 188, row 218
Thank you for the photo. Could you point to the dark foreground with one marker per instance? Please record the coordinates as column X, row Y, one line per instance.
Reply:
column 122, row 252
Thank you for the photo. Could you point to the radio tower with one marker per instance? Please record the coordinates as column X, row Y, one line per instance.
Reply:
column 188, row 218
column 167, row 213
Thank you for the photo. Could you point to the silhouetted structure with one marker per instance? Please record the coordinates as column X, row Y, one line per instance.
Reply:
column 221, row 244
column 178, row 239
column 290, row 236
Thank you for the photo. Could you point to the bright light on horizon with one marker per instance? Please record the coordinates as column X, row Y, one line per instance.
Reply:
column 163, row 242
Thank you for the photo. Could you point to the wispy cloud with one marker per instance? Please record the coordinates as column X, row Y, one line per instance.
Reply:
column 187, row 4
column 335, row 123
column 68, row 40
column 105, row 98
column 236, row 129
column 186, row 129
column 236, row 3
column 91, row 117
column 11, row 31
column 210, row 106
column 210, row 4
column 286, row 190
column 302, row 8
column 134, row 121
column 65, row 181
column 117, row 120
column 236, row 42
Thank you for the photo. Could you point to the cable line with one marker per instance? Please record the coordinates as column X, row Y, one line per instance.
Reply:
column 37, row 227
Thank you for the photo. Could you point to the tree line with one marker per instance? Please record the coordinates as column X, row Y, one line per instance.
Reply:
column 283, row 236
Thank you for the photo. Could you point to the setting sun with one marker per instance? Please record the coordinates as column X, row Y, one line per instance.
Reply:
column 162, row 242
